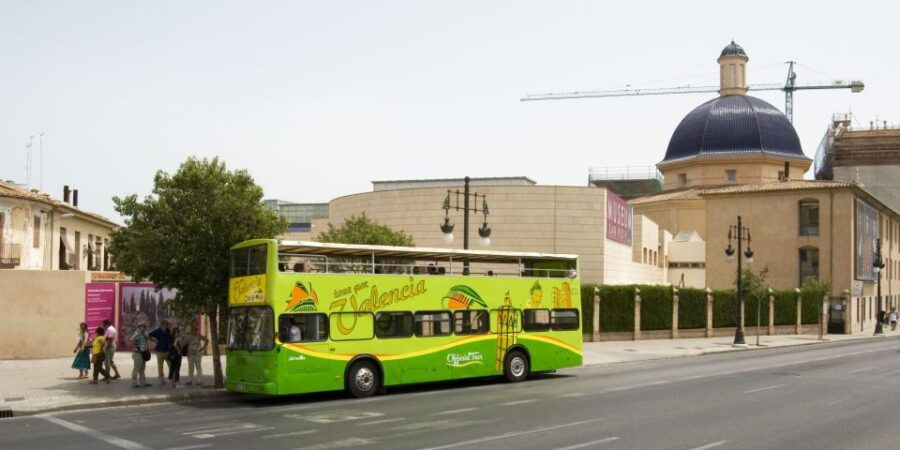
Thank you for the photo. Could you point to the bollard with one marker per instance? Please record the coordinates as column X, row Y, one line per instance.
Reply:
column 799, row 306
column 595, row 337
column 675, row 313
column 771, row 312
column 637, row 314
column 709, row 313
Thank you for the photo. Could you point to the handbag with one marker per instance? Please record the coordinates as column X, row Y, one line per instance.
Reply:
column 145, row 355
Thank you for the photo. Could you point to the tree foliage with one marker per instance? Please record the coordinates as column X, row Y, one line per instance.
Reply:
column 360, row 229
column 179, row 237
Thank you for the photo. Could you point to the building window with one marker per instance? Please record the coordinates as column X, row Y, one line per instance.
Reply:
column 809, row 217
column 682, row 179
column 37, row 232
column 731, row 175
column 809, row 264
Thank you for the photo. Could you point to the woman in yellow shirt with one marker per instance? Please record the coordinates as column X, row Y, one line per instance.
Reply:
column 97, row 357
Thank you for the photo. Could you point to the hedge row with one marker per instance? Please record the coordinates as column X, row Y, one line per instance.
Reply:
column 617, row 308
column 656, row 307
column 691, row 308
column 785, row 307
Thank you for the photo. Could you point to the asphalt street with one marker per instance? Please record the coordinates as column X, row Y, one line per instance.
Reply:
column 838, row 395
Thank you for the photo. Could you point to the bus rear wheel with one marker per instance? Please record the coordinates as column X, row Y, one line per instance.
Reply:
column 362, row 379
column 516, row 366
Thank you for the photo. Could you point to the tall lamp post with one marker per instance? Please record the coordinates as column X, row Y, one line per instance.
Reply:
column 739, row 233
column 447, row 227
column 877, row 266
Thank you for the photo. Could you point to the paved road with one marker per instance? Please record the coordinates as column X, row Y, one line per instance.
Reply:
column 842, row 395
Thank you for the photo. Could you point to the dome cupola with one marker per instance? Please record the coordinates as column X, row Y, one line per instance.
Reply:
column 733, row 70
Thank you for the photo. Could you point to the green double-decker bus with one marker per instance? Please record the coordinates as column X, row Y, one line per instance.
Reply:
column 309, row 316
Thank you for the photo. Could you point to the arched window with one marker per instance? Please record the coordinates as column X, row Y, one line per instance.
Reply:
column 809, row 217
column 809, row 264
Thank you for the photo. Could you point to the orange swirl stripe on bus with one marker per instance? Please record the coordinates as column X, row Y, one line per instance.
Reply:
column 397, row 356
column 301, row 299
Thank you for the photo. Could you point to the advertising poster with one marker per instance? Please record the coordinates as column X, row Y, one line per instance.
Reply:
column 144, row 303
column 99, row 304
column 618, row 219
column 866, row 233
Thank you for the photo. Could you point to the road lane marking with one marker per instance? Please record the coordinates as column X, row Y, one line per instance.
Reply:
column 293, row 433
column 838, row 401
column 335, row 416
column 190, row 447
column 513, row 433
column 112, row 440
column 377, row 422
column 518, row 402
column 714, row 444
column 860, row 370
column 571, row 395
column 763, row 388
column 211, row 431
column 343, row 443
column 588, row 444
column 454, row 411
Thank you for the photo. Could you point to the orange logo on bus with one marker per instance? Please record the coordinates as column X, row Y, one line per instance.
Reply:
column 302, row 299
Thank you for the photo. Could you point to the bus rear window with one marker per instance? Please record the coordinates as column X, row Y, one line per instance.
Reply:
column 248, row 261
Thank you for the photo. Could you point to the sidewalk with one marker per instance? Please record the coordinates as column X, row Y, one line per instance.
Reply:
column 41, row 385
column 597, row 353
column 44, row 385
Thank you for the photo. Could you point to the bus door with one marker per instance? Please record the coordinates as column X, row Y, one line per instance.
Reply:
column 304, row 338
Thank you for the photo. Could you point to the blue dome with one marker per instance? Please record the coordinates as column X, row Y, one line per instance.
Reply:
column 734, row 125
column 732, row 49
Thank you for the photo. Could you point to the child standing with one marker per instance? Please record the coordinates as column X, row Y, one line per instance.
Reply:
column 98, row 357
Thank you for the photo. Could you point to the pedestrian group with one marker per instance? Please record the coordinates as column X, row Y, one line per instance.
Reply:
column 170, row 345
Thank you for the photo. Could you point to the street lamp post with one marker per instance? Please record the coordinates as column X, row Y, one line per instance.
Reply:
column 447, row 227
column 877, row 266
column 740, row 233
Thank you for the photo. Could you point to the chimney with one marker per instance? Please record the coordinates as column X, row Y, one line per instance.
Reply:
column 66, row 194
column 75, row 198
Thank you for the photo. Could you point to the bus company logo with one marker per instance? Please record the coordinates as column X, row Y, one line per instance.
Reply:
column 296, row 358
column 302, row 299
column 464, row 359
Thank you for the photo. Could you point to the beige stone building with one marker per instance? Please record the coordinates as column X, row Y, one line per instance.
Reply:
column 523, row 216
column 737, row 155
column 41, row 233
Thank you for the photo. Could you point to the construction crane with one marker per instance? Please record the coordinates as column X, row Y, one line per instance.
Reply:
column 788, row 87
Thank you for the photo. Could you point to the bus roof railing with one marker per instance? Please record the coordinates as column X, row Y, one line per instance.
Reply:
column 419, row 253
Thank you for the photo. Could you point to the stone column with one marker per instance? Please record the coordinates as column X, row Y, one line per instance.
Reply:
column 799, row 309
column 771, row 312
column 595, row 336
column 675, row 313
column 846, row 308
column 637, row 314
column 823, row 316
column 709, row 313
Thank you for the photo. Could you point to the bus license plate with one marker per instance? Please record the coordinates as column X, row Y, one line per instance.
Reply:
column 240, row 387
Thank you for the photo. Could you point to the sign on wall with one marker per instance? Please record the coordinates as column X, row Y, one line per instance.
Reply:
column 619, row 219
column 144, row 303
column 99, row 304
column 866, row 233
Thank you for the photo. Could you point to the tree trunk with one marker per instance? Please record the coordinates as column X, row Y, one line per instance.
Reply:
column 218, row 379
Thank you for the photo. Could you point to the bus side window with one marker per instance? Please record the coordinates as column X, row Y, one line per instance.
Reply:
column 536, row 319
column 432, row 323
column 349, row 326
column 471, row 321
column 564, row 319
column 393, row 324
column 302, row 327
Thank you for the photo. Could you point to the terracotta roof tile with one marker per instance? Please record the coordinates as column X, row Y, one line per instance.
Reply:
column 13, row 191
column 773, row 186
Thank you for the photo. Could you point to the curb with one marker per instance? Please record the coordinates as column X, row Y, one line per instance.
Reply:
column 191, row 397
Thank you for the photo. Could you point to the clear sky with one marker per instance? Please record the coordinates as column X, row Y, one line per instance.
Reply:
column 317, row 99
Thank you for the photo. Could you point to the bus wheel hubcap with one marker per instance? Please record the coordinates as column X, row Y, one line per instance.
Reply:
column 365, row 378
column 517, row 366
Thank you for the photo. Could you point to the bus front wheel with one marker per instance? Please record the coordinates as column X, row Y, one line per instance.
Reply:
column 362, row 379
column 516, row 366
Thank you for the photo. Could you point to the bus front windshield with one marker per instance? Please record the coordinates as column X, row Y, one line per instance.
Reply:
column 251, row 328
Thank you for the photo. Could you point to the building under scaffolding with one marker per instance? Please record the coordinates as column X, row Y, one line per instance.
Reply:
column 868, row 156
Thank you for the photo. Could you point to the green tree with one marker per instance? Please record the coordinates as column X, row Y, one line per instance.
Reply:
column 179, row 237
column 360, row 229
